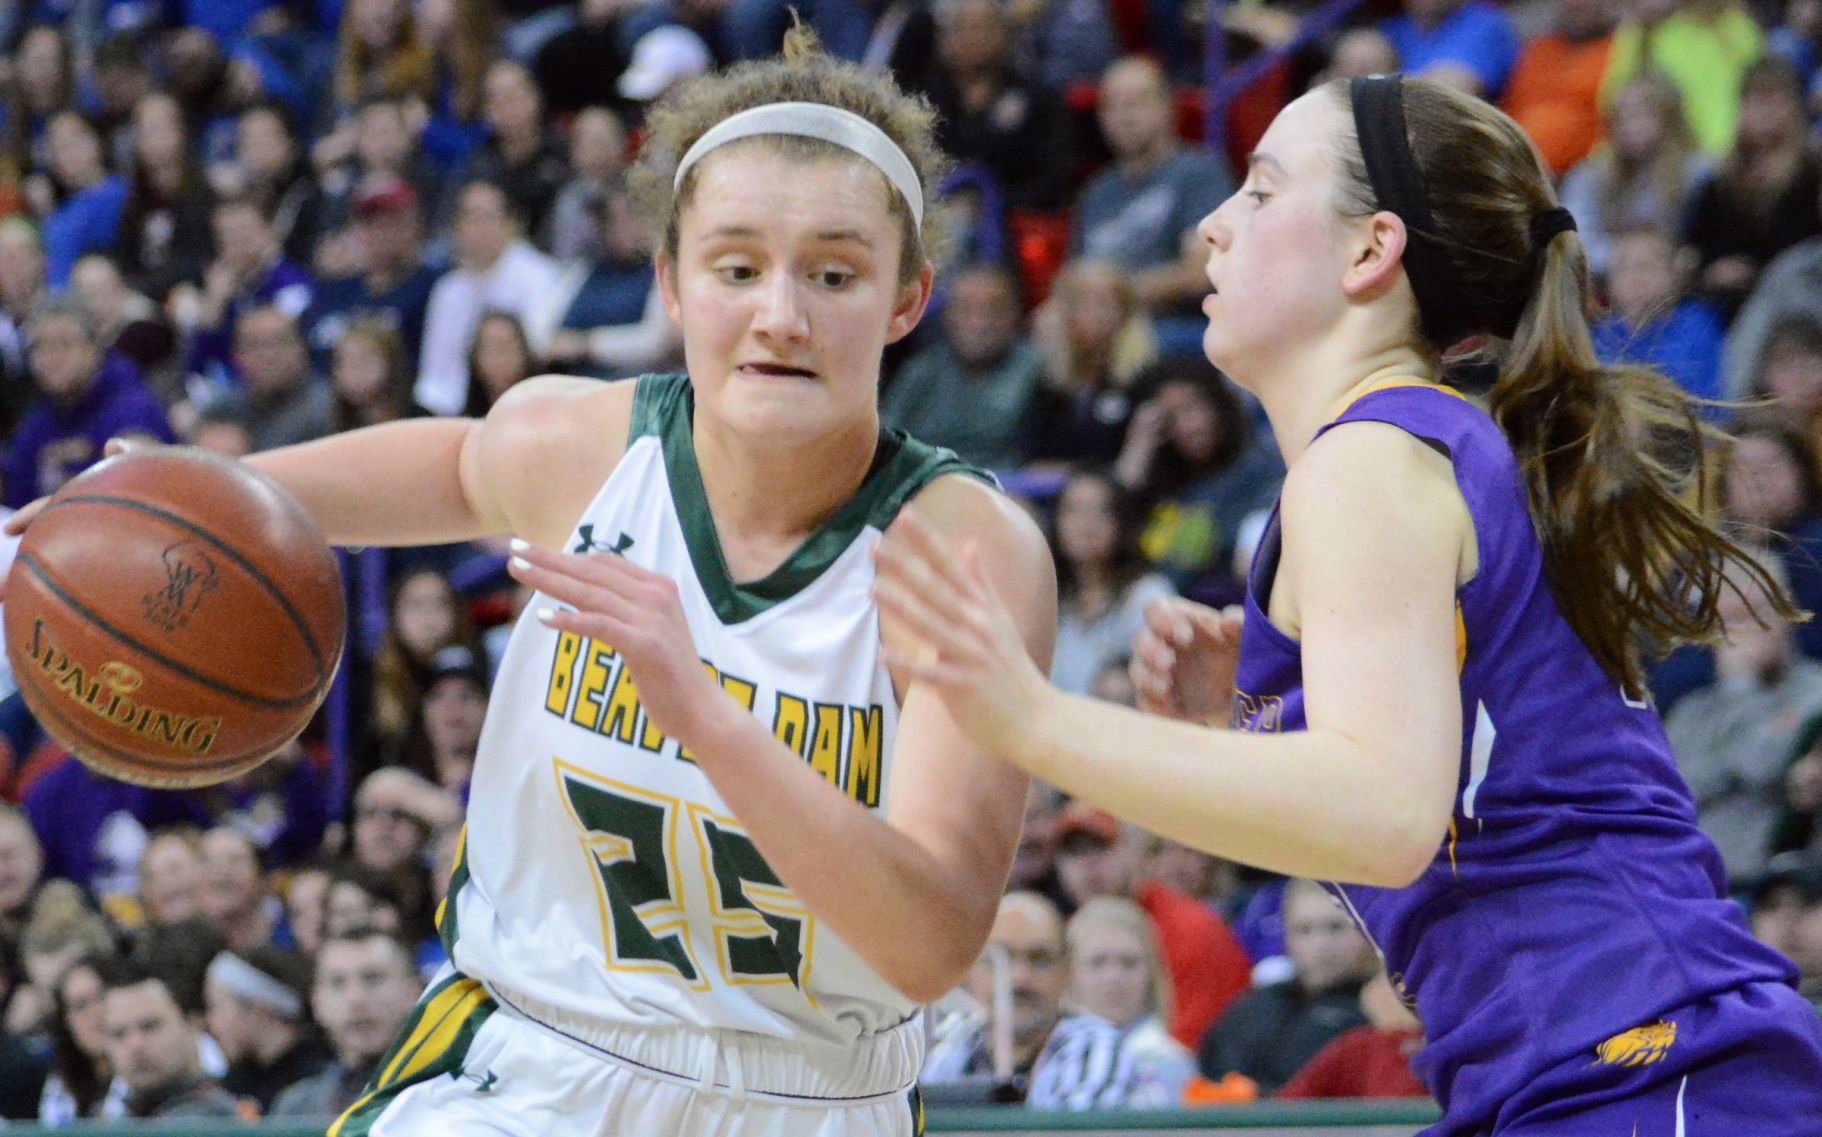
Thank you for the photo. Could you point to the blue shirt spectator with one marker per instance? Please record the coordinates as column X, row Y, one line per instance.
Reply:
column 1472, row 41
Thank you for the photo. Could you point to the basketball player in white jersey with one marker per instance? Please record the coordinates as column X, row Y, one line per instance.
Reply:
column 716, row 853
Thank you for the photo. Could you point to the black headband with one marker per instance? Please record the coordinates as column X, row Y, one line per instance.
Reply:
column 1444, row 310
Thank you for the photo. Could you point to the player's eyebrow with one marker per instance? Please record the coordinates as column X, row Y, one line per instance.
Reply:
column 1265, row 162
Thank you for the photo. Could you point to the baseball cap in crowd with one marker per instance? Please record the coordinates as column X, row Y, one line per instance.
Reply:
column 383, row 193
column 455, row 662
column 1798, row 868
column 1082, row 824
column 661, row 57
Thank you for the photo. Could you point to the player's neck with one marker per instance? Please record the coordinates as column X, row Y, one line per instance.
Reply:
column 1303, row 398
column 767, row 495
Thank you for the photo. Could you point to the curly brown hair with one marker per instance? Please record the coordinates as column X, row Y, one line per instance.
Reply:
column 801, row 73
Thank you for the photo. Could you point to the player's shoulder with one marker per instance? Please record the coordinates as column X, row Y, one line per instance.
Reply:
column 965, row 508
column 549, row 444
column 1368, row 463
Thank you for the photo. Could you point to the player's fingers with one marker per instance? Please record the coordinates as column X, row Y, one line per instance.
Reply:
column 15, row 525
column 566, row 588
column 926, row 622
column 911, row 574
column 119, row 445
column 1166, row 619
column 919, row 542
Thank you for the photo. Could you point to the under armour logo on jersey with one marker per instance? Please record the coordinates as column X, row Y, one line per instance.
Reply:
column 588, row 543
column 485, row 1083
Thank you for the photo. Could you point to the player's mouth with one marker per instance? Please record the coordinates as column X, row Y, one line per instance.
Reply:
column 776, row 371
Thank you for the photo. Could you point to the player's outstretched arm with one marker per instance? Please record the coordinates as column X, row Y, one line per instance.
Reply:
column 914, row 890
column 1373, row 537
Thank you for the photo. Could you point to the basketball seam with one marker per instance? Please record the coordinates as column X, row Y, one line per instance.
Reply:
column 32, row 564
column 246, row 566
column 48, row 708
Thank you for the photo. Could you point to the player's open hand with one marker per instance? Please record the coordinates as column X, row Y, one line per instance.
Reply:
column 639, row 614
column 1183, row 660
column 961, row 641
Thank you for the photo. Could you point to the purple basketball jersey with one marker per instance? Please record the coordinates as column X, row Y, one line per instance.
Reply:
column 1573, row 900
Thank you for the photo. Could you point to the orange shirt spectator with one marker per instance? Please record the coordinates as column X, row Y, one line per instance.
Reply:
column 1554, row 89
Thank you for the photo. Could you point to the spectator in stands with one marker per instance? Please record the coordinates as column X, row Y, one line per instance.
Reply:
column 1095, row 339
column 1103, row 579
column 378, row 54
column 1470, row 44
column 1271, row 1032
column 1652, row 321
column 380, row 140
column 1790, row 372
column 88, row 398
column 22, row 291
column 120, row 75
column 598, row 154
column 128, row 322
column 281, row 805
column 61, row 930
column 1643, row 175
column 992, row 115
column 271, row 168
column 425, row 616
column 499, row 359
column 365, row 987
column 286, row 402
column 1734, row 739
column 582, row 66
column 1141, row 212
column 249, row 269
column 165, row 233
column 1554, row 90
column 234, row 893
column 393, row 284
column 21, row 876
column 495, row 269
column 80, row 203
column 1786, row 904
column 1799, row 827
column 152, row 1046
column 171, row 876
column 222, row 426
column 606, row 314
column 257, row 1004
column 1198, row 469
column 80, row 1076
column 43, row 83
column 1703, row 46
column 1027, row 936
column 522, row 156
column 1790, row 287
column 306, row 890
column 1034, row 864
column 461, row 35
column 1357, row 53
column 441, row 746
column 1770, row 487
column 1372, row 1060
column 369, row 376
column 1098, row 856
column 1762, row 199
column 971, row 390
column 1115, row 1053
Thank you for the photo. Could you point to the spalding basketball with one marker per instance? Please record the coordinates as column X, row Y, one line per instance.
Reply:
column 173, row 617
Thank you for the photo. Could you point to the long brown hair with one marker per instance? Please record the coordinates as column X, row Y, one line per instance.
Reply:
column 1612, row 456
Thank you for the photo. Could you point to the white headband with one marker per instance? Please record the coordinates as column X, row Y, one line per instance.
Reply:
column 816, row 120
column 254, row 985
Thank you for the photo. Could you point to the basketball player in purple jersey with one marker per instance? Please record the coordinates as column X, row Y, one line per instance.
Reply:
column 1434, row 696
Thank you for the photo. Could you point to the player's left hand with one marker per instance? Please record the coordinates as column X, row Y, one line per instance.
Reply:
column 637, row 612
column 967, row 649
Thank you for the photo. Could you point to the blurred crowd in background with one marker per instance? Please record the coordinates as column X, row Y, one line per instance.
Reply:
column 242, row 224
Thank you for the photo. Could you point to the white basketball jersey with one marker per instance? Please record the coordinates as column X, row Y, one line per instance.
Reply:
column 601, row 872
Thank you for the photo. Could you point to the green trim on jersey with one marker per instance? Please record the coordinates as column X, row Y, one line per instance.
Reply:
column 433, row 1042
column 664, row 406
column 447, row 929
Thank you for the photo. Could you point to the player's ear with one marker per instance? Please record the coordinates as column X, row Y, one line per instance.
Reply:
column 667, row 286
column 1378, row 251
column 912, row 299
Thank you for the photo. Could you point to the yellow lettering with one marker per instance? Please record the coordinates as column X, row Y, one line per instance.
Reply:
column 862, row 767
column 622, row 709
column 744, row 693
column 792, row 722
column 597, row 662
column 825, row 743
column 556, row 699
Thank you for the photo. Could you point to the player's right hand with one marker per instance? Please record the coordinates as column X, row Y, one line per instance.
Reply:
column 1184, row 659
